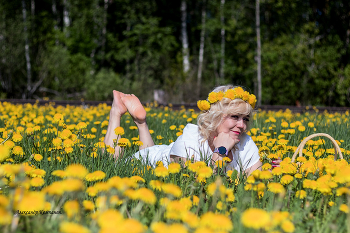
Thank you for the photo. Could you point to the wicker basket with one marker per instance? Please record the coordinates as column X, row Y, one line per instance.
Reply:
column 302, row 144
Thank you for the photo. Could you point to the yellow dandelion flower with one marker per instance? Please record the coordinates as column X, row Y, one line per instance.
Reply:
column 220, row 95
column 5, row 217
column 68, row 150
column 4, row 153
column 343, row 190
column 4, row 201
column 213, row 187
column 255, row 218
column 37, row 157
column 301, row 194
column 252, row 100
column 37, row 182
column 66, row 133
column 172, row 189
column 59, row 173
column 96, row 175
column 68, row 143
column 174, row 168
column 204, row 172
column 287, row 226
column 230, row 94
column 311, row 124
column 146, row 195
column 266, row 167
column 156, row 184
column 17, row 150
column 301, row 128
column 195, row 200
column 124, row 142
column 81, row 125
column 276, row 188
column 161, row 171
column 265, row 175
column 344, row 208
column 286, row 179
column 250, row 179
column 138, row 143
column 311, row 184
column 213, row 97
column 93, row 154
column 17, row 137
column 70, row 227
column 76, row 170
column 71, row 208
column 31, row 201
column 88, row 205
column 246, row 96
column 37, row 173
column 10, row 144
column 216, row 222
column 57, row 142
column 119, row 130
column 58, row 117
column 203, row 105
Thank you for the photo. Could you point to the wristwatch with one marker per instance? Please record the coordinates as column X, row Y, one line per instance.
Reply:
column 221, row 151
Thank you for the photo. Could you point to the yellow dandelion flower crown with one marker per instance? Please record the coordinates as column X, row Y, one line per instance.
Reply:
column 235, row 93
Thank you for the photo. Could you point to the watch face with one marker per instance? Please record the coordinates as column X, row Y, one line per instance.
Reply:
column 222, row 150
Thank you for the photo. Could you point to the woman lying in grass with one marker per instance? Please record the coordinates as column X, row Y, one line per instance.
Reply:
column 220, row 133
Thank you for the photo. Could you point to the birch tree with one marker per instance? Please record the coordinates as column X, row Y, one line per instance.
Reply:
column 258, row 49
column 222, row 52
column 26, row 48
column 54, row 12
column 185, row 50
column 201, row 51
column 32, row 7
column 66, row 20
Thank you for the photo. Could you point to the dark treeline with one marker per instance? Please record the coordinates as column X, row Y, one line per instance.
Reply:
column 294, row 52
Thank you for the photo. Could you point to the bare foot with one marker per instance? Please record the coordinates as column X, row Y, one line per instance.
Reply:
column 134, row 107
column 118, row 106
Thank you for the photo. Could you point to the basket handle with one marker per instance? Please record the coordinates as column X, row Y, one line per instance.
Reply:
column 302, row 144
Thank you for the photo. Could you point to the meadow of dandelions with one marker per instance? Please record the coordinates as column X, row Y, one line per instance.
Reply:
column 56, row 175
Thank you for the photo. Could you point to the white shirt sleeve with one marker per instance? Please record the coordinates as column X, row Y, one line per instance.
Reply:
column 189, row 145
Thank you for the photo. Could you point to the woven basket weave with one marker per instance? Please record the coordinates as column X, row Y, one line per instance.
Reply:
column 302, row 144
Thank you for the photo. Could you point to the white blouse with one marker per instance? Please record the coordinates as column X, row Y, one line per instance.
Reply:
column 191, row 145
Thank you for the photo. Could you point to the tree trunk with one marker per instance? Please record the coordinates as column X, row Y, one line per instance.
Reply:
column 54, row 11
column 29, row 69
column 185, row 52
column 66, row 20
column 201, row 52
column 32, row 7
column 222, row 53
column 258, row 49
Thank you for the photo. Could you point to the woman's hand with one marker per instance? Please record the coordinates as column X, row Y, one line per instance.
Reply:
column 224, row 139
column 276, row 163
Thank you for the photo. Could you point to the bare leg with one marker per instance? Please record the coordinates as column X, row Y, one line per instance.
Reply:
column 138, row 113
column 118, row 109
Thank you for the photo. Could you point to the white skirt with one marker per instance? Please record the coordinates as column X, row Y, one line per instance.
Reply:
column 152, row 155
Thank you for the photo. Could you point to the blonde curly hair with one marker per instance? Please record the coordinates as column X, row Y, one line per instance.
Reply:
column 210, row 120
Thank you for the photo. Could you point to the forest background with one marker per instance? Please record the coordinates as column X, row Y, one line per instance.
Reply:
column 286, row 52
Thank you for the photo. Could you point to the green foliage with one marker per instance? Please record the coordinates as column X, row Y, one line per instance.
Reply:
column 100, row 85
column 305, row 48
